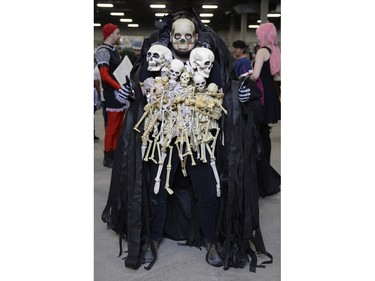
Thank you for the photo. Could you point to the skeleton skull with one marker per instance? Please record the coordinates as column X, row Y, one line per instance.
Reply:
column 199, row 82
column 157, row 57
column 184, row 79
column 202, row 59
column 175, row 69
column 212, row 88
column 183, row 36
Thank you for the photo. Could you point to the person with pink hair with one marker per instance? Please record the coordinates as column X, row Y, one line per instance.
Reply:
column 266, row 65
column 267, row 37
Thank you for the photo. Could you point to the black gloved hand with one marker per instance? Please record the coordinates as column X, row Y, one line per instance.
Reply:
column 244, row 92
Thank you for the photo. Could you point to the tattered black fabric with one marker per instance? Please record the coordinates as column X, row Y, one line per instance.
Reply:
column 127, row 210
column 238, row 227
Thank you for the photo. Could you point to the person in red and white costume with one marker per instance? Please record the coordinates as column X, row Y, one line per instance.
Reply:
column 115, row 95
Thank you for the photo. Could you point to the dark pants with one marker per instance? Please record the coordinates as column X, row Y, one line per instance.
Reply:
column 105, row 115
column 204, row 188
column 265, row 131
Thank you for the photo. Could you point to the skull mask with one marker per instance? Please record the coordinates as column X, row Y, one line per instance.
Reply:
column 183, row 35
column 184, row 79
column 202, row 59
column 199, row 82
column 157, row 57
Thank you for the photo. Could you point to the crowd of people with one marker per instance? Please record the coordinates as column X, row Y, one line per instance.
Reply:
column 174, row 174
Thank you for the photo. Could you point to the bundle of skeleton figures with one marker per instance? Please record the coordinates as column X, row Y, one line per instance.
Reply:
column 181, row 110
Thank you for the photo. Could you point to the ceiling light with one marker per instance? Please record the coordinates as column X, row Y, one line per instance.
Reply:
column 273, row 15
column 104, row 5
column 161, row 14
column 133, row 25
column 206, row 15
column 156, row 6
column 126, row 20
column 259, row 21
column 253, row 26
column 97, row 24
column 206, row 21
column 209, row 6
column 117, row 14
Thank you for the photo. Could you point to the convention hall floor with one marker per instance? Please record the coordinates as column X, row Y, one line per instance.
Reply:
column 177, row 262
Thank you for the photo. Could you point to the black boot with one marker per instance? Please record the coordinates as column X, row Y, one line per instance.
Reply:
column 212, row 256
column 108, row 159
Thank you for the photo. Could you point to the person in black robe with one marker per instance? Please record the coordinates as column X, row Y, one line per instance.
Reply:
column 128, row 212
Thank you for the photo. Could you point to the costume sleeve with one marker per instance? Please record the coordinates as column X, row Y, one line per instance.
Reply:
column 107, row 78
column 102, row 57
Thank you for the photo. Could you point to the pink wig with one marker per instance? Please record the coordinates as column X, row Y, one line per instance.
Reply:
column 267, row 35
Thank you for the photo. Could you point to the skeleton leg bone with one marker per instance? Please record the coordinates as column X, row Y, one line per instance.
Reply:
column 143, row 150
column 157, row 178
column 148, row 150
column 153, row 152
column 213, row 145
column 159, row 153
column 189, row 152
column 213, row 166
column 140, row 121
column 203, row 153
column 156, row 139
column 169, row 167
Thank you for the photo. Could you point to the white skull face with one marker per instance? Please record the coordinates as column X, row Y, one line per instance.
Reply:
column 157, row 57
column 183, row 35
column 199, row 82
column 212, row 88
column 184, row 79
column 202, row 59
column 175, row 69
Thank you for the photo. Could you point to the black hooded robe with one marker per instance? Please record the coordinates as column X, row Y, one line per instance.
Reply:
column 127, row 211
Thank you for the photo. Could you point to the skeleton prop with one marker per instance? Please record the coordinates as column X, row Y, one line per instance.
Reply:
column 175, row 69
column 158, row 56
column 199, row 82
column 202, row 60
column 186, row 112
